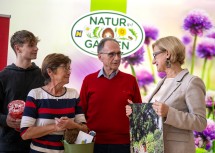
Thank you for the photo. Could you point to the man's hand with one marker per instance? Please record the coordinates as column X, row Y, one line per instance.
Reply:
column 128, row 108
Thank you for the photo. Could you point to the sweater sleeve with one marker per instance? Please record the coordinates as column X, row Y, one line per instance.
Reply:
column 3, row 120
column 83, row 96
column 137, row 96
column 79, row 116
column 3, row 117
column 30, row 114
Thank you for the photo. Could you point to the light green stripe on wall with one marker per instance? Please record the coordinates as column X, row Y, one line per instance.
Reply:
column 114, row 5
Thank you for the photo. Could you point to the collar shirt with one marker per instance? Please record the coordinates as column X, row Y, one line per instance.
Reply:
column 113, row 74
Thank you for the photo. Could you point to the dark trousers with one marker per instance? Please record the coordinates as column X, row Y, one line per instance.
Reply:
column 112, row 148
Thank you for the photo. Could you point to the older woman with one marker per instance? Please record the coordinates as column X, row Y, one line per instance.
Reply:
column 179, row 98
column 53, row 108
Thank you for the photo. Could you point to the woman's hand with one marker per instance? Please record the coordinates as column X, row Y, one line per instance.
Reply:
column 128, row 108
column 67, row 123
column 160, row 108
column 58, row 128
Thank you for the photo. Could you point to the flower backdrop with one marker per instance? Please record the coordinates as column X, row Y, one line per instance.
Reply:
column 165, row 16
column 199, row 39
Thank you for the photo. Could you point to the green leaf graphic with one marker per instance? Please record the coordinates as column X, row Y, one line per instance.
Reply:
column 89, row 35
column 124, row 38
column 95, row 31
column 99, row 34
column 133, row 33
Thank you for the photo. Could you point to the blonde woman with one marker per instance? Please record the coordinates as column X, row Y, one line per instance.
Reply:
column 179, row 98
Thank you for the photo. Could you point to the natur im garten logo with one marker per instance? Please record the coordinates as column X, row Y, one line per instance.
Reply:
column 88, row 30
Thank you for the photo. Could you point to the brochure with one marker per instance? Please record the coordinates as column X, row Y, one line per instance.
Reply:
column 145, row 135
column 83, row 138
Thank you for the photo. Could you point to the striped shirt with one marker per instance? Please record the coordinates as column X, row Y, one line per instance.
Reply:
column 42, row 108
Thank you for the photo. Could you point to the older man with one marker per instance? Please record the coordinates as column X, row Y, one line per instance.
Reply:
column 104, row 95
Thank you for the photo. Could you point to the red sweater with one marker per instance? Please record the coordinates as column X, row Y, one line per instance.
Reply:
column 103, row 102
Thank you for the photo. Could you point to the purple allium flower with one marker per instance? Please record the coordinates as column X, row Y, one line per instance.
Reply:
column 210, row 98
column 209, row 101
column 151, row 34
column 134, row 59
column 199, row 141
column 206, row 48
column 196, row 22
column 209, row 131
column 205, row 138
column 161, row 74
column 144, row 78
column 211, row 34
column 186, row 39
column 208, row 145
column 199, row 134
column 189, row 52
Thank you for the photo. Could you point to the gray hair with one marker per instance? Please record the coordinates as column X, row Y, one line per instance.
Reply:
column 102, row 43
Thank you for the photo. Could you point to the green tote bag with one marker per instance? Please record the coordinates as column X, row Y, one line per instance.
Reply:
column 78, row 148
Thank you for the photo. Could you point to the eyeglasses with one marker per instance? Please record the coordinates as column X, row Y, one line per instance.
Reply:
column 66, row 68
column 113, row 54
column 158, row 52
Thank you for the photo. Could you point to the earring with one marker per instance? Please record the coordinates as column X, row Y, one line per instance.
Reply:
column 168, row 63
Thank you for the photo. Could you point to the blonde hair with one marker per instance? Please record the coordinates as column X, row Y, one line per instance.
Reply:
column 174, row 46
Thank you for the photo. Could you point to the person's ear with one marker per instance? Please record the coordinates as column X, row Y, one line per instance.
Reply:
column 100, row 57
column 17, row 48
column 167, row 54
column 49, row 71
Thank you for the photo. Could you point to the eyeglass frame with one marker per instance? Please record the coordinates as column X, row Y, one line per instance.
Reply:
column 113, row 54
column 64, row 66
column 157, row 53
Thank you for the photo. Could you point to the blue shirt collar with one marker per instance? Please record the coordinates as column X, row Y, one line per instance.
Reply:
column 101, row 73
